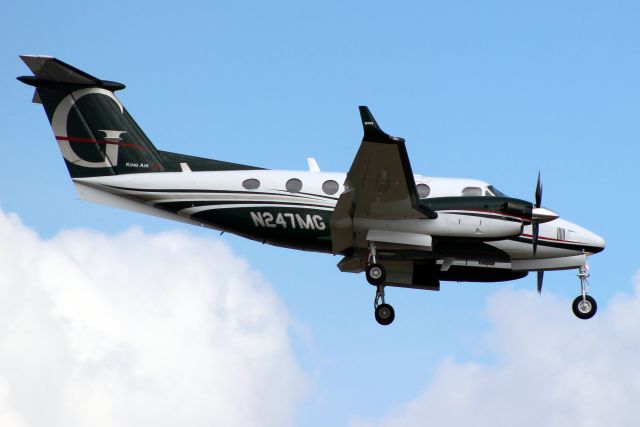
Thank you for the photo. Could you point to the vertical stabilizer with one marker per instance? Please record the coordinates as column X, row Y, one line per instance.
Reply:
column 95, row 133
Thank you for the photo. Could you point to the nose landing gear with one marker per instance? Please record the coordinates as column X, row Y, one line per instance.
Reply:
column 584, row 306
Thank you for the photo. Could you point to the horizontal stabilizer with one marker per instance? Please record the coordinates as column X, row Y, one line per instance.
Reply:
column 49, row 71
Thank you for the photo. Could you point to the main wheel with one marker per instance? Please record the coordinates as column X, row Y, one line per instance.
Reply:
column 376, row 274
column 385, row 314
column 584, row 308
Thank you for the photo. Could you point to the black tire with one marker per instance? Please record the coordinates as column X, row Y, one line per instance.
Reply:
column 385, row 314
column 586, row 309
column 376, row 274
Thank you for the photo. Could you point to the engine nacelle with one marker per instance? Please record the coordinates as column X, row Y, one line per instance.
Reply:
column 480, row 226
column 460, row 225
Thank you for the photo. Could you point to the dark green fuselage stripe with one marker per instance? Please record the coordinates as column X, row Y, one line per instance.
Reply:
column 307, row 229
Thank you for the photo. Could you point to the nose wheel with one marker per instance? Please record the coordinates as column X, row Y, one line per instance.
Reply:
column 584, row 306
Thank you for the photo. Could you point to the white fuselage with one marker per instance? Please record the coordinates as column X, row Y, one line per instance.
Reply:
column 224, row 191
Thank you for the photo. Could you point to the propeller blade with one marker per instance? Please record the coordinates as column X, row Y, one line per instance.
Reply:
column 535, row 225
column 535, row 222
column 540, row 279
column 538, row 192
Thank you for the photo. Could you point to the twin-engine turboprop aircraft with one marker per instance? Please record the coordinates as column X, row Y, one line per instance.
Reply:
column 400, row 229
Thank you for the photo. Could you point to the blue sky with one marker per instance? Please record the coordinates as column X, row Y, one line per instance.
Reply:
column 492, row 90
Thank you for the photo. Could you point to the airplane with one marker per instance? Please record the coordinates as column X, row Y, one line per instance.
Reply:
column 399, row 228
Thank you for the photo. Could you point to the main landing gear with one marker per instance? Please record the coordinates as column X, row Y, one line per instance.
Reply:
column 376, row 275
column 384, row 312
column 584, row 306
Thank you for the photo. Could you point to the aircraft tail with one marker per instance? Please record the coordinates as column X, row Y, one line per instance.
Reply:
column 95, row 133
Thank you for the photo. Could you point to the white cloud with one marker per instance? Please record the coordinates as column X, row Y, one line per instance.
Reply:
column 550, row 369
column 137, row 329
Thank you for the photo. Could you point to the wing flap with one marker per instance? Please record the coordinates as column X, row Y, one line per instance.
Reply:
column 421, row 241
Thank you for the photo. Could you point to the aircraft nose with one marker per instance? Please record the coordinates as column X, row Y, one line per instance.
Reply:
column 595, row 242
column 588, row 240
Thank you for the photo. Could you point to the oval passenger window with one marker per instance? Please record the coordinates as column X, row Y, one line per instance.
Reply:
column 423, row 190
column 294, row 185
column 251, row 184
column 330, row 187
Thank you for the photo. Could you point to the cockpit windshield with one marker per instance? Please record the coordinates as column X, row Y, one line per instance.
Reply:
column 493, row 191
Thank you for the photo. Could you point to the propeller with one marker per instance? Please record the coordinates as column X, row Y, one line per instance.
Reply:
column 535, row 222
column 538, row 192
column 535, row 228
column 539, row 215
column 540, row 279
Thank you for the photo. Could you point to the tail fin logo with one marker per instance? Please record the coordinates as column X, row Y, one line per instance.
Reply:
column 111, row 137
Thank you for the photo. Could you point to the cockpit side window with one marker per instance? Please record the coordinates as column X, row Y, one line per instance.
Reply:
column 493, row 191
column 471, row 191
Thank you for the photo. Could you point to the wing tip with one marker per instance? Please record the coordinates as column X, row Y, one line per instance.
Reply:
column 372, row 131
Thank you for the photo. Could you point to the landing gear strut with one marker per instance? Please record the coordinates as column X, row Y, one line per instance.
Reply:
column 376, row 275
column 584, row 306
column 384, row 312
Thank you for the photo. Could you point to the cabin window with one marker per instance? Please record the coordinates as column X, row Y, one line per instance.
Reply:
column 294, row 185
column 330, row 187
column 423, row 190
column 251, row 184
column 471, row 192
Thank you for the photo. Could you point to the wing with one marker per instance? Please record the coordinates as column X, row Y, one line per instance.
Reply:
column 379, row 185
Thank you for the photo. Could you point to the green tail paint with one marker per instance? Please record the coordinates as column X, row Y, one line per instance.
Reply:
column 95, row 133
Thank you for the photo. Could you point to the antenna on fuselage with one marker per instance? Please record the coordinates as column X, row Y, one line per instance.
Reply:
column 313, row 165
